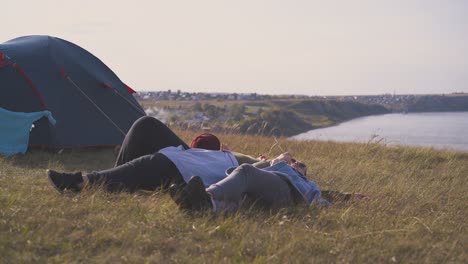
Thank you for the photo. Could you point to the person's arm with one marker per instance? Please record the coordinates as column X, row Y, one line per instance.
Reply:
column 256, row 162
column 286, row 157
column 243, row 158
column 260, row 162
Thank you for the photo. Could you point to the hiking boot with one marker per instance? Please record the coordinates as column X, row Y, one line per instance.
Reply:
column 175, row 191
column 195, row 194
column 62, row 181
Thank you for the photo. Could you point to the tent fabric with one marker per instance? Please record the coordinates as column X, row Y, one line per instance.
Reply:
column 48, row 73
column 15, row 127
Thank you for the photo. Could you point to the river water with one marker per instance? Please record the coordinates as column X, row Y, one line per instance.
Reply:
column 444, row 130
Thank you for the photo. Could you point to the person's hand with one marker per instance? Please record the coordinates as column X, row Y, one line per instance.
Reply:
column 299, row 166
column 286, row 157
column 262, row 157
column 224, row 147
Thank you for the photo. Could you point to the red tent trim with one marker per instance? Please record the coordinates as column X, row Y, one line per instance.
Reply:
column 3, row 61
column 36, row 91
column 129, row 89
column 63, row 73
column 107, row 85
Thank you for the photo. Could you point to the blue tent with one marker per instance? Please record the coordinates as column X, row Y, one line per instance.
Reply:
column 91, row 105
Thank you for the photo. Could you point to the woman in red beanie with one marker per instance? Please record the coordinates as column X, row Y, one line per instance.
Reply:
column 153, row 156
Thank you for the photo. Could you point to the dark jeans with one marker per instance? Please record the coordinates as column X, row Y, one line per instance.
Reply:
column 138, row 165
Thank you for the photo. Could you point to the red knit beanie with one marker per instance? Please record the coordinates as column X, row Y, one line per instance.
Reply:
column 206, row 141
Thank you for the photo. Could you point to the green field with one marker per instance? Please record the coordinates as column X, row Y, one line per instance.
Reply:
column 417, row 212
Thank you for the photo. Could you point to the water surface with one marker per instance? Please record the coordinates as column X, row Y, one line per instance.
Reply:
column 442, row 130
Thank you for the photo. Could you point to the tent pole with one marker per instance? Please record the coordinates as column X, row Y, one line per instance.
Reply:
column 95, row 105
column 128, row 101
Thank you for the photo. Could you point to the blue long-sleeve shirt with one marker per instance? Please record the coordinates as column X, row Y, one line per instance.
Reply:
column 306, row 188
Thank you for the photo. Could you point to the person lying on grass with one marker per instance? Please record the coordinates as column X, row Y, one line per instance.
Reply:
column 153, row 156
column 282, row 184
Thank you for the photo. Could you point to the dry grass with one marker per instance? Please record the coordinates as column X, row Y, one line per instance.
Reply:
column 417, row 212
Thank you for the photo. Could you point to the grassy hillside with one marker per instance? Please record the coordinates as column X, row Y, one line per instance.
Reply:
column 417, row 212
column 285, row 117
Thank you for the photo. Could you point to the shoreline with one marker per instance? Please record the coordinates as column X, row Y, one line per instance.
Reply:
column 422, row 129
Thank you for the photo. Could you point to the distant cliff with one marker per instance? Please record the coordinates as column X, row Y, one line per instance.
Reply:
column 438, row 103
column 277, row 117
column 289, row 118
column 337, row 110
column 413, row 103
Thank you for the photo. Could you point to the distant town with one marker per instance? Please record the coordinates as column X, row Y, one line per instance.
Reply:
column 387, row 100
column 284, row 114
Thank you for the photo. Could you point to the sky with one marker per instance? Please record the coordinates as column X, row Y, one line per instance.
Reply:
column 307, row 47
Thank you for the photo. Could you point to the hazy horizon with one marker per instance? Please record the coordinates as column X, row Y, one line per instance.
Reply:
column 321, row 95
column 306, row 47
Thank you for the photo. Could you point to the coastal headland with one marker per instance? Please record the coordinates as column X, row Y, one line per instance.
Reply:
column 283, row 115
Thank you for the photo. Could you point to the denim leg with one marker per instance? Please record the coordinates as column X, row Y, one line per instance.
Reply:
column 265, row 188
